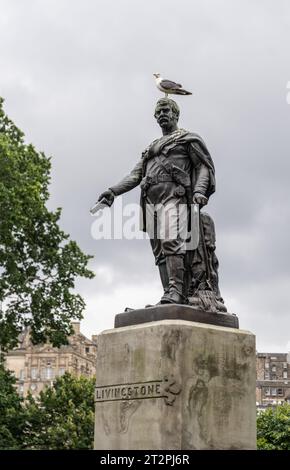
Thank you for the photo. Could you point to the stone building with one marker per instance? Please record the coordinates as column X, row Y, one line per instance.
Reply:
column 273, row 379
column 37, row 366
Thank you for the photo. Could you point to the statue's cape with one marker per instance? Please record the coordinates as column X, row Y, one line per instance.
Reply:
column 198, row 147
column 195, row 144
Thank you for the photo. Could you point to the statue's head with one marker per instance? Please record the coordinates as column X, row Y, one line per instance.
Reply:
column 166, row 112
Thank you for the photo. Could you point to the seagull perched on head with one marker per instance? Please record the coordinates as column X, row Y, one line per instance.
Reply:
column 168, row 87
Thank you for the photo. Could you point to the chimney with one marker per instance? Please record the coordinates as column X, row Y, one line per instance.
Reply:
column 76, row 326
column 95, row 338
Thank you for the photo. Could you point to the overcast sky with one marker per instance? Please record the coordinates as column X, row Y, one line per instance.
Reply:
column 76, row 76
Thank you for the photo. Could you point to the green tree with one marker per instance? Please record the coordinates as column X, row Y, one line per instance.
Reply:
column 62, row 417
column 11, row 412
column 273, row 428
column 38, row 264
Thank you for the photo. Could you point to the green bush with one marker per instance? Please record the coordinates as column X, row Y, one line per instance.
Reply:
column 273, row 428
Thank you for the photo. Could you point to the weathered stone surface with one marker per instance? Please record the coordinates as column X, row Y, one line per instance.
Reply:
column 175, row 312
column 175, row 384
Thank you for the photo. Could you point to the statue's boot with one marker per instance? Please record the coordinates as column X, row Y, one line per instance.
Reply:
column 164, row 280
column 165, row 283
column 175, row 270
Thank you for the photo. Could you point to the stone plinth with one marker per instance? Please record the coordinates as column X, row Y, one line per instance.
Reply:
column 175, row 384
column 175, row 312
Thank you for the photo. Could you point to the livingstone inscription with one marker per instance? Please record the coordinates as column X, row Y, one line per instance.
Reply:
column 166, row 388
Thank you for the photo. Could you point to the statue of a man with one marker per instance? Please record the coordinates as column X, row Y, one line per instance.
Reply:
column 175, row 169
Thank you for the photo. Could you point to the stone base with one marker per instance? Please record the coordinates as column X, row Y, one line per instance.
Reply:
column 175, row 384
column 175, row 312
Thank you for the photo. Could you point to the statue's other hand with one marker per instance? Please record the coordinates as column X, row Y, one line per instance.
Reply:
column 200, row 199
column 109, row 195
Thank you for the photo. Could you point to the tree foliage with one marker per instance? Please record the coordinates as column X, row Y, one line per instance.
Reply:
column 38, row 262
column 62, row 417
column 11, row 411
column 273, row 428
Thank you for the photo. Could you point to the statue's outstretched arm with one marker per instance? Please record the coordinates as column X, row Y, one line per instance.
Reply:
column 126, row 184
column 129, row 182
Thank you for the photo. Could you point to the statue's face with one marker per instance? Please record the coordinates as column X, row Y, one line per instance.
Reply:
column 164, row 115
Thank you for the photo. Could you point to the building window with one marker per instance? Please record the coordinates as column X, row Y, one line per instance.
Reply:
column 273, row 368
column 273, row 392
column 87, row 350
column 22, row 374
column 267, row 365
column 21, row 389
column 285, row 375
column 49, row 373
column 267, row 391
column 285, row 365
column 61, row 371
column 273, row 358
column 266, row 375
column 280, row 392
column 33, row 373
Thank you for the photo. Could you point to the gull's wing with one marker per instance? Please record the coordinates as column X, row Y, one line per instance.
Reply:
column 169, row 85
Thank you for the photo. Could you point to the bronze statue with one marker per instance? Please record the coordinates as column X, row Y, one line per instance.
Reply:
column 177, row 170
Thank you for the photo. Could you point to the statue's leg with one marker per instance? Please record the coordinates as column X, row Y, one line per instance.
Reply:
column 160, row 260
column 164, row 278
column 174, row 248
column 175, row 269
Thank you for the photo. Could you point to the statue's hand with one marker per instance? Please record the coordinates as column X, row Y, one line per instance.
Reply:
column 109, row 195
column 200, row 199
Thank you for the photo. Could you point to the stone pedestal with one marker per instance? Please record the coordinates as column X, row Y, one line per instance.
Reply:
column 175, row 384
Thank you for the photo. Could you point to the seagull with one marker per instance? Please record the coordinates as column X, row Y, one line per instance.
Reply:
column 168, row 87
